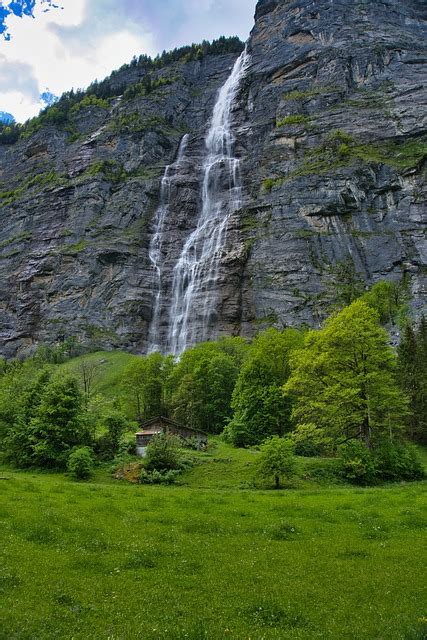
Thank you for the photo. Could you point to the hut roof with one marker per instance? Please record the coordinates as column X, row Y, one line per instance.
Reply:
column 148, row 432
column 145, row 426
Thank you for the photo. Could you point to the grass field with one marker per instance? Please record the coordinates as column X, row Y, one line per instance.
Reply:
column 207, row 560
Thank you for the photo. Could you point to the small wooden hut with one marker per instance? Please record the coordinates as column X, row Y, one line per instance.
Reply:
column 153, row 427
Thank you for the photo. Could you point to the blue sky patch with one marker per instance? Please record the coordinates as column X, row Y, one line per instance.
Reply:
column 20, row 8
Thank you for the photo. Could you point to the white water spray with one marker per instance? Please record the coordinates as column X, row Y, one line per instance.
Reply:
column 155, row 250
column 196, row 272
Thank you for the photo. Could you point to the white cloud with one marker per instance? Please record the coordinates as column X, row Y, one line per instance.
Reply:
column 37, row 49
column 69, row 48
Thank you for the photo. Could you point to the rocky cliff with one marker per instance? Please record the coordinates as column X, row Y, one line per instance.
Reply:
column 329, row 125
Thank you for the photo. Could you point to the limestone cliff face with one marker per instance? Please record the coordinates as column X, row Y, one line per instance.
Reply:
column 330, row 125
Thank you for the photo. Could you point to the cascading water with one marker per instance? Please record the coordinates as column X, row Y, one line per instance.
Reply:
column 155, row 250
column 196, row 272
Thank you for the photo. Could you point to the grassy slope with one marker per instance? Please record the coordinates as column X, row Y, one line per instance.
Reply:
column 224, row 467
column 110, row 368
column 110, row 560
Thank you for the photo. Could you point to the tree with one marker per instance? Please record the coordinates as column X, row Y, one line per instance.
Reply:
column 45, row 436
column 276, row 460
column 346, row 283
column 145, row 385
column 412, row 376
column 388, row 299
column 116, row 426
column 202, row 383
column 343, row 380
column 88, row 372
column 260, row 408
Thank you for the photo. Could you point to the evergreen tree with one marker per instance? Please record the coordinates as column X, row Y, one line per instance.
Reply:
column 412, row 375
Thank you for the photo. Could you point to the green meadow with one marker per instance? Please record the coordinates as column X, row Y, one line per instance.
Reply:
column 212, row 558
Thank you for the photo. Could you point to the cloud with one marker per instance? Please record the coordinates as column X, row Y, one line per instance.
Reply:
column 90, row 38
column 18, row 76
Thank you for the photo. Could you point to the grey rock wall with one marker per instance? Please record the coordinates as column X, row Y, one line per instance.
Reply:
column 331, row 127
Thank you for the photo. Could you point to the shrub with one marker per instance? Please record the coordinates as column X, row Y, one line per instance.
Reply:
column 357, row 463
column 292, row 120
column 127, row 445
column 163, row 453
column 310, row 441
column 277, row 460
column 81, row 464
column 116, row 425
column 398, row 462
column 158, row 477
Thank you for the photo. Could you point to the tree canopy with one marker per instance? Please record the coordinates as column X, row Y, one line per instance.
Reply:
column 343, row 380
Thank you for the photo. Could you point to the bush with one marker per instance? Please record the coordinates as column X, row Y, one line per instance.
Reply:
column 390, row 462
column 163, row 453
column 127, row 445
column 398, row 462
column 158, row 477
column 81, row 464
column 310, row 441
column 357, row 463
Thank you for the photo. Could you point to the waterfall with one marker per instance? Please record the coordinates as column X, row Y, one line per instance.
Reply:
column 196, row 272
column 155, row 250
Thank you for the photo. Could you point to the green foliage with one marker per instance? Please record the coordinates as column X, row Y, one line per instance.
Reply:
column 309, row 440
column 276, row 461
column 163, row 454
column 260, row 408
column 148, row 85
column 158, row 477
column 145, row 386
column 389, row 462
column 113, row 425
column 292, row 120
column 89, row 101
column 48, row 424
column 357, row 463
column 343, row 380
column 389, row 300
column 202, row 384
column 269, row 183
column 9, row 133
column 398, row 462
column 346, row 284
column 98, row 93
column 111, row 170
column 37, row 184
column 298, row 95
column 81, row 464
column 412, row 376
column 340, row 149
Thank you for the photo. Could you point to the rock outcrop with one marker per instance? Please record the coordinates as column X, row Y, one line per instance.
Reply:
column 331, row 128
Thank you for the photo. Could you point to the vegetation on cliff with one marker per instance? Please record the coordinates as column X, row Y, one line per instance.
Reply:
column 99, row 94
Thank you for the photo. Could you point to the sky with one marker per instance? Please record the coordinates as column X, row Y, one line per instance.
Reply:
column 55, row 45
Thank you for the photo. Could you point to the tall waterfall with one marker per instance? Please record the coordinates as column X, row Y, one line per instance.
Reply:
column 155, row 250
column 196, row 272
